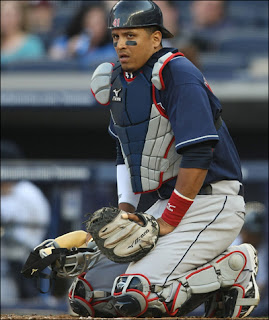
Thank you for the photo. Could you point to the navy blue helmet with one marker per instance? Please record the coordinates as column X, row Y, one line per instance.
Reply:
column 137, row 14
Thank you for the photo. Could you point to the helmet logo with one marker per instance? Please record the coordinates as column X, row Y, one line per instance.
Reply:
column 116, row 22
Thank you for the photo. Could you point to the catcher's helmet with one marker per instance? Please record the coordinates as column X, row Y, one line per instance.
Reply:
column 135, row 14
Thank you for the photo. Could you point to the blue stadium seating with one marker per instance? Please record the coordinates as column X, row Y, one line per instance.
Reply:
column 222, row 66
column 248, row 42
column 231, row 51
column 249, row 13
column 45, row 64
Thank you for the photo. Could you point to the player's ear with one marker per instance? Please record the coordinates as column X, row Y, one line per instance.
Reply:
column 156, row 38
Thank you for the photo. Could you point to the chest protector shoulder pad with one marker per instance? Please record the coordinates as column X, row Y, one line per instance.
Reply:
column 101, row 82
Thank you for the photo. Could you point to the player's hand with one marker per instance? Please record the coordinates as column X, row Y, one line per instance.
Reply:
column 165, row 228
column 132, row 217
column 88, row 238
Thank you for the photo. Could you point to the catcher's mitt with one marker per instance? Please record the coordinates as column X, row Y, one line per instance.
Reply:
column 122, row 240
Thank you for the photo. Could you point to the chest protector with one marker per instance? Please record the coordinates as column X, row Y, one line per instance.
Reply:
column 143, row 128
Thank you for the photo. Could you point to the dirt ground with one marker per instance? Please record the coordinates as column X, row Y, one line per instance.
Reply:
column 38, row 317
column 68, row 317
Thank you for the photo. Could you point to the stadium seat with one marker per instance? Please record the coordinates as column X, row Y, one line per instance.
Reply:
column 245, row 42
column 255, row 13
column 222, row 66
column 45, row 64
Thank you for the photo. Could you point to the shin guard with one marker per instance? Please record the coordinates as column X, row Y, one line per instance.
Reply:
column 197, row 286
column 86, row 302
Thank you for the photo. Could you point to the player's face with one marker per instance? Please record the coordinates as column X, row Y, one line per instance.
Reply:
column 135, row 46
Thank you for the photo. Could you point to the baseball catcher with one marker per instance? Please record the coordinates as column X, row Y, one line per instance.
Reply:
column 177, row 163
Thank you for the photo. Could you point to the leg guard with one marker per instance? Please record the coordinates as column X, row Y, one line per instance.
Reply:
column 197, row 286
column 236, row 302
column 85, row 302
column 132, row 297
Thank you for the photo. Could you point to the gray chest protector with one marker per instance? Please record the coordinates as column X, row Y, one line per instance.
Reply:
column 141, row 124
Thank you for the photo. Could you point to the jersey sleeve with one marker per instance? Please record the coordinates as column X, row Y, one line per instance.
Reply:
column 190, row 112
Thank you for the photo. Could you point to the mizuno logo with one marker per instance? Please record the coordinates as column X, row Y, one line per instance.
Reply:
column 138, row 239
column 120, row 285
column 116, row 96
column 33, row 271
column 170, row 207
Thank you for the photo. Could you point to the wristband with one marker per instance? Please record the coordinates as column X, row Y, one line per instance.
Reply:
column 176, row 208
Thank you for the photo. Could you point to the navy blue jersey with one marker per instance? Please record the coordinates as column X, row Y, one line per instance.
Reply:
column 192, row 109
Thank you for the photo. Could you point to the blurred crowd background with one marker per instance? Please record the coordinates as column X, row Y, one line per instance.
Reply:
column 57, row 159
column 224, row 38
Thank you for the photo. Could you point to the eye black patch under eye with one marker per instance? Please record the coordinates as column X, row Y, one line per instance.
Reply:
column 115, row 44
column 131, row 43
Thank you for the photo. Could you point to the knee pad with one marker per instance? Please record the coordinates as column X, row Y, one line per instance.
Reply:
column 198, row 285
column 86, row 302
column 132, row 297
